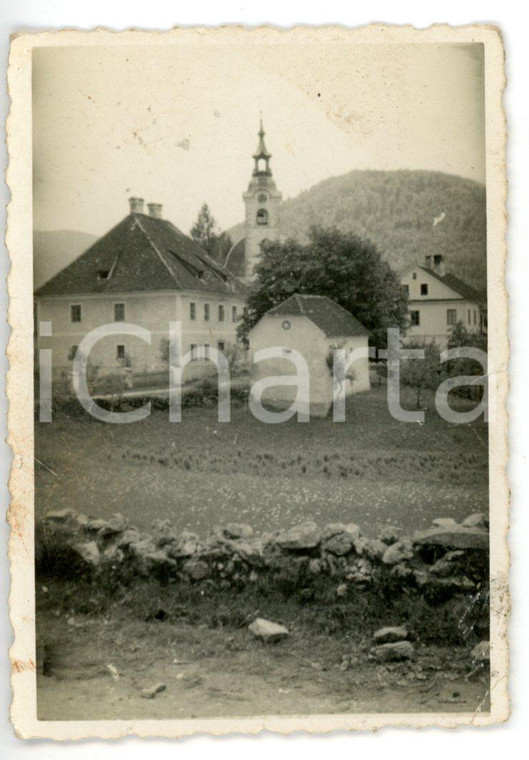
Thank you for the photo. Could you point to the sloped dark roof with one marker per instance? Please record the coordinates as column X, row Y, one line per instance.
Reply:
column 235, row 261
column 455, row 283
column 333, row 320
column 143, row 253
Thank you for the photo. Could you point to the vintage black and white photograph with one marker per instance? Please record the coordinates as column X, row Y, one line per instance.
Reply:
column 265, row 403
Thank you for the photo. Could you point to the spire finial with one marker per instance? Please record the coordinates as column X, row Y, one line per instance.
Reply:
column 261, row 152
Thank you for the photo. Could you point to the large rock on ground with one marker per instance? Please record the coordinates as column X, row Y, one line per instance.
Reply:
column 187, row 545
column 88, row 552
column 248, row 550
column 238, row 530
column 389, row 535
column 152, row 691
column 115, row 524
column 129, row 536
column 148, row 558
column 393, row 652
column 64, row 524
column 304, row 536
column 476, row 520
column 452, row 583
column 338, row 538
column 196, row 569
column 444, row 522
column 450, row 564
column 390, row 634
column 372, row 548
column 95, row 524
column 397, row 553
column 375, row 549
column 456, row 537
column 60, row 515
column 267, row 631
column 164, row 532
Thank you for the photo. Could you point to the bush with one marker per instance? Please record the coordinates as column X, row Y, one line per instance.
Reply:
column 461, row 337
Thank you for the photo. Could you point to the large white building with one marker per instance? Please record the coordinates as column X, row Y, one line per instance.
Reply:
column 146, row 272
column 438, row 300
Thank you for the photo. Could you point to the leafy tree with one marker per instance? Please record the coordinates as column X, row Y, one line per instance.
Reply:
column 422, row 374
column 461, row 337
column 208, row 235
column 338, row 265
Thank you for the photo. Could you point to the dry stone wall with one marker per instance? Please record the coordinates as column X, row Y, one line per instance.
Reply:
column 444, row 560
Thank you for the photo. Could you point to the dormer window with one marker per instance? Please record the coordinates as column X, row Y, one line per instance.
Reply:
column 103, row 274
column 262, row 216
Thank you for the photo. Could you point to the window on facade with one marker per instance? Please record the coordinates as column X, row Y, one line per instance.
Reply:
column 424, row 289
column 192, row 310
column 221, row 345
column 415, row 318
column 72, row 352
column 469, row 316
column 234, row 316
column 206, row 351
column 406, row 289
column 206, row 312
column 262, row 216
column 119, row 312
column 221, row 313
column 120, row 352
column 451, row 316
column 193, row 351
column 475, row 317
column 75, row 312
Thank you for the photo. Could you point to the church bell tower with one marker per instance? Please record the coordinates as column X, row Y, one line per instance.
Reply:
column 262, row 201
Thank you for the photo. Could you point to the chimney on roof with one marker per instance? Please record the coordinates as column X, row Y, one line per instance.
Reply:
column 155, row 210
column 435, row 263
column 136, row 205
column 438, row 264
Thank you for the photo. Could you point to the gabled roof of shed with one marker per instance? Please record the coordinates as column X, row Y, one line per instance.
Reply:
column 333, row 320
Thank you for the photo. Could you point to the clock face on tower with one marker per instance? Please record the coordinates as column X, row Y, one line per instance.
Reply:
column 262, row 198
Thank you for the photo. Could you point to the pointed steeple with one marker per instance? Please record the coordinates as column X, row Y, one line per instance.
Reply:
column 262, row 154
column 262, row 201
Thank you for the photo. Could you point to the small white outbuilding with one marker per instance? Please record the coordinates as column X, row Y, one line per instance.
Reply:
column 313, row 326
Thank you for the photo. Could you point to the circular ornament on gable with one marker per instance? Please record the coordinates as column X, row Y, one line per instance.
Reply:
column 285, row 324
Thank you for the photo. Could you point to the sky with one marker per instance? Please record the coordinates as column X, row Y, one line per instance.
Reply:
column 177, row 124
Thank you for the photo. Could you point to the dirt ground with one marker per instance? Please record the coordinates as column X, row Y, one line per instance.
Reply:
column 95, row 667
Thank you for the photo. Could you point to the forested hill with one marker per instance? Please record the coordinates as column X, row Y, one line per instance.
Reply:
column 397, row 211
